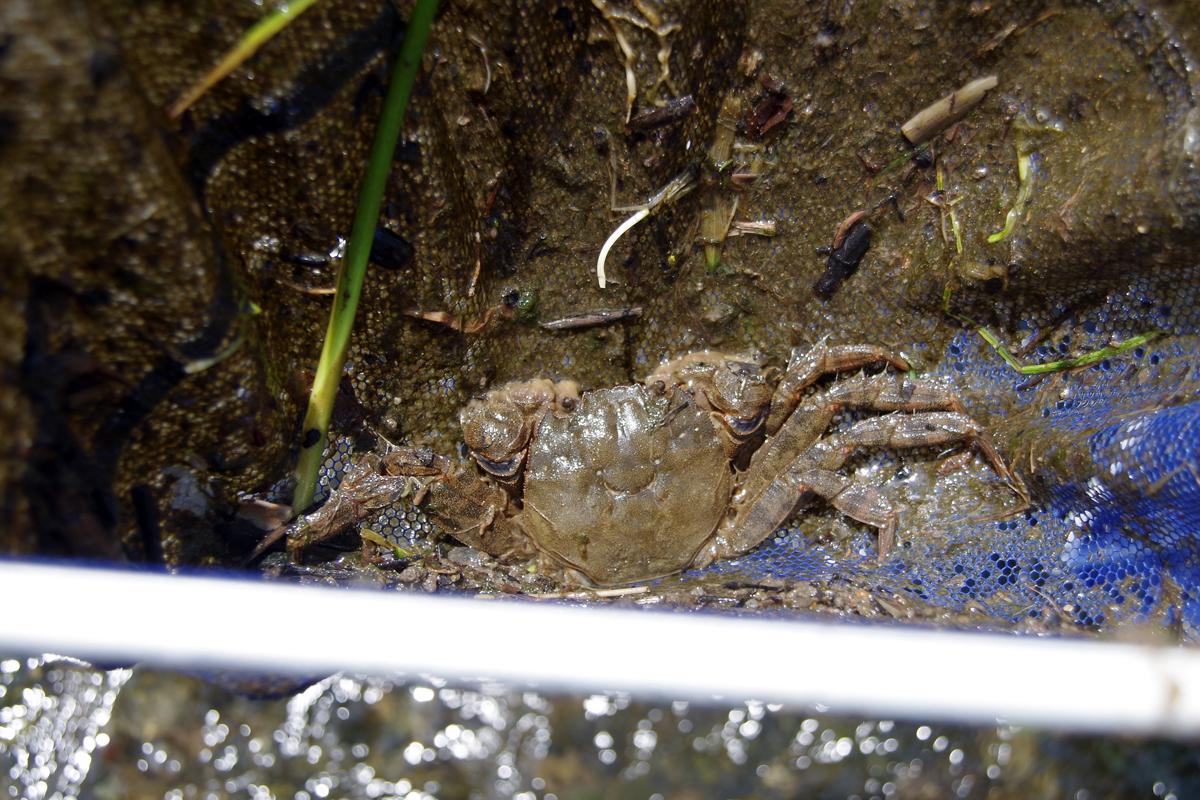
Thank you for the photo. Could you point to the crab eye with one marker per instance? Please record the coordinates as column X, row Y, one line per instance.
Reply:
column 568, row 403
column 658, row 387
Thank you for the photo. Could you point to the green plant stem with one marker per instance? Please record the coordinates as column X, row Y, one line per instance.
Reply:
column 1053, row 366
column 898, row 160
column 315, row 433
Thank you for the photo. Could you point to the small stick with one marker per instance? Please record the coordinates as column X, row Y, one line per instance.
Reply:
column 845, row 226
column 764, row 228
column 584, row 594
column 673, row 111
column 592, row 319
column 487, row 68
column 638, row 216
column 680, row 185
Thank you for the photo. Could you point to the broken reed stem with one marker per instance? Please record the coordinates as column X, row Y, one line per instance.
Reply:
column 951, row 108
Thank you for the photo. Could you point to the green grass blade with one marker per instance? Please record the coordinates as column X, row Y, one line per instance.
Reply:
column 262, row 32
column 1052, row 366
column 353, row 268
column 1086, row 358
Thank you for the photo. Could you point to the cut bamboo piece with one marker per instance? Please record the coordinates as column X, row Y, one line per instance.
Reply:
column 950, row 108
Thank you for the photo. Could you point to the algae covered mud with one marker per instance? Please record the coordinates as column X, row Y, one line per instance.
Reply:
column 169, row 279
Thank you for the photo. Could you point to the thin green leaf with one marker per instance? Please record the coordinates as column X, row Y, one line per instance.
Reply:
column 262, row 32
column 315, row 432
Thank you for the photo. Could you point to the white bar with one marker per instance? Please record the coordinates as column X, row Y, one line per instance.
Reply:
column 889, row 673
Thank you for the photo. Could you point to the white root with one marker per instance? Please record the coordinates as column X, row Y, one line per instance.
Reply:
column 612, row 239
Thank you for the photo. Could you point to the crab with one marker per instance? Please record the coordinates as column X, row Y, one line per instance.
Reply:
column 701, row 461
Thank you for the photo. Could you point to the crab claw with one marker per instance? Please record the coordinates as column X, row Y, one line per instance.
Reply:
column 497, row 427
column 734, row 390
column 496, row 432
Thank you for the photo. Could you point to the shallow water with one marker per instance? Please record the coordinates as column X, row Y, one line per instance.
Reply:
column 68, row 730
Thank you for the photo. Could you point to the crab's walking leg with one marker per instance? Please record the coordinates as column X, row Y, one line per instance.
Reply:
column 811, row 420
column 807, row 366
column 364, row 491
column 894, row 431
column 931, row 428
column 856, row 500
column 799, row 461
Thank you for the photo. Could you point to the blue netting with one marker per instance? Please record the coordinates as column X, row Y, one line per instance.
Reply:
column 1112, row 536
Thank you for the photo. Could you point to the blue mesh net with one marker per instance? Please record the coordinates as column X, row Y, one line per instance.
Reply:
column 1111, row 538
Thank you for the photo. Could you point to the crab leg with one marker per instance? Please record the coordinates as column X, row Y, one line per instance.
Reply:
column 892, row 393
column 799, row 461
column 924, row 430
column 363, row 492
column 807, row 366
column 811, row 420
column 894, row 431
column 461, row 504
column 856, row 500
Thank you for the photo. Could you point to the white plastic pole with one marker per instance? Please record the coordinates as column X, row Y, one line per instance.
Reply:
column 881, row 672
